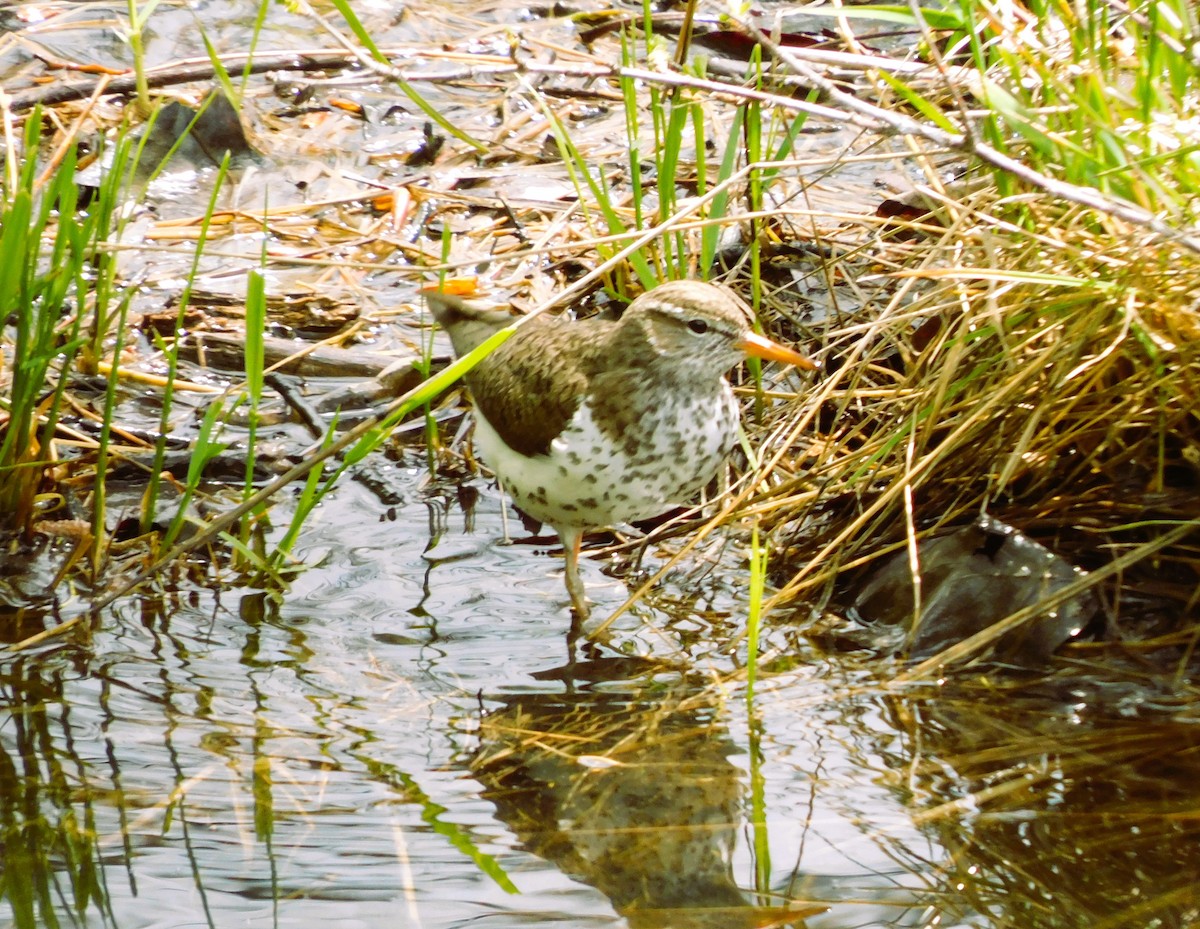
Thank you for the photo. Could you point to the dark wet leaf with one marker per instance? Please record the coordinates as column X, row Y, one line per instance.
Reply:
column 203, row 136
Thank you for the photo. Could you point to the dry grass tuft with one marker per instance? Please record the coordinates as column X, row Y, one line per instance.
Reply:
column 1046, row 373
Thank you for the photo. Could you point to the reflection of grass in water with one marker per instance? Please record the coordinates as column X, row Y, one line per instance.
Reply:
column 432, row 812
column 1058, row 811
column 198, row 755
column 761, row 842
column 51, row 854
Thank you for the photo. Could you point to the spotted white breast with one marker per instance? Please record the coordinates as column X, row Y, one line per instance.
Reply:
column 586, row 480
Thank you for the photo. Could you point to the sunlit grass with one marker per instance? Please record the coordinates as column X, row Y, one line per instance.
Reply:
column 1098, row 95
column 60, row 287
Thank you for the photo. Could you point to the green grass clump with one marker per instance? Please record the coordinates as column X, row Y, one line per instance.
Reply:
column 58, row 287
column 1100, row 95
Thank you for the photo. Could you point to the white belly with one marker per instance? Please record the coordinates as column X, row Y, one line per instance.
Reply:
column 584, row 481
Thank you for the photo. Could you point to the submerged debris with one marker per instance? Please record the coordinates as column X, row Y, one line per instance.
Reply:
column 972, row 578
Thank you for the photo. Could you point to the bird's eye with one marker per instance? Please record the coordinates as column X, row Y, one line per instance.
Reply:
column 698, row 326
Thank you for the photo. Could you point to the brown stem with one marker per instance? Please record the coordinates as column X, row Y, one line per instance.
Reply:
column 184, row 73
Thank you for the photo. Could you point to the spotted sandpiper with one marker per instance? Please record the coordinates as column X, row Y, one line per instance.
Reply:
column 592, row 423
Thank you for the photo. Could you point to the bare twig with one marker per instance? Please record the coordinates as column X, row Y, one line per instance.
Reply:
column 887, row 120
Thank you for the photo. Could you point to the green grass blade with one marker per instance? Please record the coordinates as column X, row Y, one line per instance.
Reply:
column 579, row 167
column 171, row 351
column 719, row 207
column 888, row 13
column 363, row 36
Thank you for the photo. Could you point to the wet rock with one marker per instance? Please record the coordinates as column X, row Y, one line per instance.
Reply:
column 972, row 578
column 199, row 137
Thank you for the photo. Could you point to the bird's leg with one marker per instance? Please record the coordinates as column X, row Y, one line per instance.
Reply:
column 571, row 539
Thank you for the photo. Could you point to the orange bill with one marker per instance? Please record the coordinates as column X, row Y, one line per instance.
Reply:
column 761, row 347
column 455, row 286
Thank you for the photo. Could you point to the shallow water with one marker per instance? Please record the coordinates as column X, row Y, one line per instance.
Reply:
column 327, row 757
column 408, row 738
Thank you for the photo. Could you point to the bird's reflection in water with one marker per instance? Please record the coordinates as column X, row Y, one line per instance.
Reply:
column 629, row 790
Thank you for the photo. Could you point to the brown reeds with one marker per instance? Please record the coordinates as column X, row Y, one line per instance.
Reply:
column 1045, row 373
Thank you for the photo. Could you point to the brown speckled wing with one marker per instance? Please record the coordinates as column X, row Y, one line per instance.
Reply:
column 524, row 389
column 528, row 389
